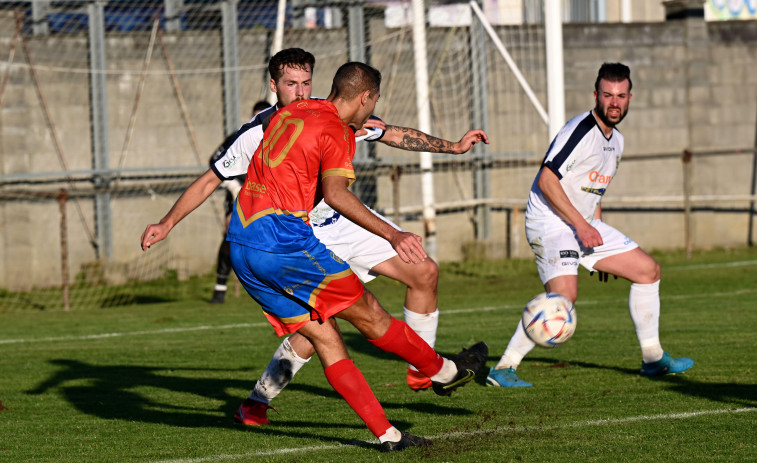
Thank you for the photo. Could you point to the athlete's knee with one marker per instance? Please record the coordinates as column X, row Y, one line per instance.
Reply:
column 367, row 316
column 425, row 276
column 565, row 286
column 301, row 346
column 649, row 272
column 571, row 294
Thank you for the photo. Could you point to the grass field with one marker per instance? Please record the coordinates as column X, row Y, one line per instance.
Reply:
column 160, row 382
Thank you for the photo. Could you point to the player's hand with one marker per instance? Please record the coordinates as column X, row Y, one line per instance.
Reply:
column 408, row 247
column 371, row 123
column 470, row 138
column 589, row 236
column 374, row 123
column 153, row 234
column 603, row 276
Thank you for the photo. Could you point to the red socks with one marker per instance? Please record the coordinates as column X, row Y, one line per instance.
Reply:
column 401, row 340
column 350, row 383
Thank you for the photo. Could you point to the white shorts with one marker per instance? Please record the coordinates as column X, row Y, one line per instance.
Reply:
column 361, row 249
column 558, row 252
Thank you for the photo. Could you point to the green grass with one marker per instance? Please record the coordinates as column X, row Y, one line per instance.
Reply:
column 160, row 382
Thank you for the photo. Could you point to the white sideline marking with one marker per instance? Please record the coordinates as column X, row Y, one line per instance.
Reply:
column 133, row 333
column 494, row 431
column 743, row 263
column 453, row 311
column 263, row 324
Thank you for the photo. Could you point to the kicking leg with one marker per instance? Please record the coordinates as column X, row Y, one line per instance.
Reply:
column 392, row 335
column 349, row 382
column 421, row 311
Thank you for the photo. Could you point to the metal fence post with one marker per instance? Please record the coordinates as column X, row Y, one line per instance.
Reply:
column 365, row 153
column 687, row 155
column 752, row 191
column 173, row 12
column 231, row 95
column 62, row 199
column 99, row 114
column 479, row 90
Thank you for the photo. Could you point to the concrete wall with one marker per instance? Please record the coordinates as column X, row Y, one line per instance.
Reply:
column 695, row 86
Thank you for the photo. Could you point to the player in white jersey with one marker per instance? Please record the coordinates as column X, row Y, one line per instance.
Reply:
column 564, row 227
column 232, row 187
column 367, row 254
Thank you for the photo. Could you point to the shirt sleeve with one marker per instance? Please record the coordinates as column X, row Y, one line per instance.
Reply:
column 238, row 155
column 337, row 151
column 373, row 134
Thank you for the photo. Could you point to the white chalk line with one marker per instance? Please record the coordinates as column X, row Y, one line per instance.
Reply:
column 478, row 432
column 134, row 333
column 517, row 306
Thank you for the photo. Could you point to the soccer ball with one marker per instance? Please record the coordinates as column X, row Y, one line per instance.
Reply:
column 549, row 319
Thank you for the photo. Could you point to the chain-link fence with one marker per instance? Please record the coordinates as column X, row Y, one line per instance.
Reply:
column 111, row 108
column 108, row 111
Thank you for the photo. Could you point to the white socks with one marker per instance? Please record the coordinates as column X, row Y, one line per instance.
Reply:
column 279, row 372
column 425, row 324
column 644, row 306
column 391, row 435
column 447, row 373
column 517, row 348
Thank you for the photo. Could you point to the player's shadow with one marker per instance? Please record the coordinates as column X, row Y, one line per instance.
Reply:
column 565, row 364
column 137, row 393
column 734, row 394
column 419, row 407
column 730, row 393
column 116, row 392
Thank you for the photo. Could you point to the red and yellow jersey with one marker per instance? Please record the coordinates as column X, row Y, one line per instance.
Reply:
column 304, row 143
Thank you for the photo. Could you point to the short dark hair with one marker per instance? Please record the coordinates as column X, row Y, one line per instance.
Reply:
column 259, row 106
column 614, row 72
column 353, row 78
column 292, row 57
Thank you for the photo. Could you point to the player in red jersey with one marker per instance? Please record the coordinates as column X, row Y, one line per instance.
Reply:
column 302, row 286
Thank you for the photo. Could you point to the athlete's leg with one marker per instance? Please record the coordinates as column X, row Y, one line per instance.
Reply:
column 392, row 335
column 420, row 311
column 223, row 268
column 557, row 254
column 520, row 344
column 369, row 255
column 284, row 364
column 421, row 281
column 644, row 297
column 347, row 379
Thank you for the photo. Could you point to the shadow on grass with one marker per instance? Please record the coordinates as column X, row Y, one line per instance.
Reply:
column 435, row 408
column 179, row 397
column 110, row 392
column 730, row 393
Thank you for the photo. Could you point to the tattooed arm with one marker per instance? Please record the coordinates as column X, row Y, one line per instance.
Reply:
column 414, row 140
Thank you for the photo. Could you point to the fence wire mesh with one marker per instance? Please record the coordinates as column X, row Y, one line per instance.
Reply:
column 100, row 134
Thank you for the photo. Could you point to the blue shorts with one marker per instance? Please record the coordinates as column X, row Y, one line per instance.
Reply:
column 293, row 288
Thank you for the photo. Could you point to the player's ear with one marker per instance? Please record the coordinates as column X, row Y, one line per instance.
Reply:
column 364, row 97
column 273, row 86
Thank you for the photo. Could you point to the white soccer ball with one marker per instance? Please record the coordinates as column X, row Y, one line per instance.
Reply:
column 549, row 319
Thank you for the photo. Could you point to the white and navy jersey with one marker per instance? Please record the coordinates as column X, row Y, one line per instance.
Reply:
column 241, row 147
column 585, row 161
